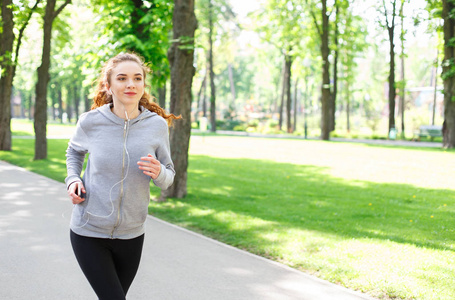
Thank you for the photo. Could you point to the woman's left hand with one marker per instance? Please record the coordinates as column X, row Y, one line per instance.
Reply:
column 150, row 166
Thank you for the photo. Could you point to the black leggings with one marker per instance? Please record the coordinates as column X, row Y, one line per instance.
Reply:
column 109, row 264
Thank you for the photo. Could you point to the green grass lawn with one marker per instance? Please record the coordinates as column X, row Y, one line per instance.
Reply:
column 24, row 127
column 374, row 219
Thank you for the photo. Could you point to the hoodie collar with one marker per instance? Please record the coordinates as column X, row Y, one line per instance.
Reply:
column 106, row 111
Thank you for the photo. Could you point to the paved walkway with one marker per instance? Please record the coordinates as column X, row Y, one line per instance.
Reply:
column 37, row 262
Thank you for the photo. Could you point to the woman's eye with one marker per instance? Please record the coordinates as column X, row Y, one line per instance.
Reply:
column 121, row 78
column 138, row 79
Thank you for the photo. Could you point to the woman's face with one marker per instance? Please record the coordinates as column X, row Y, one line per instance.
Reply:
column 127, row 83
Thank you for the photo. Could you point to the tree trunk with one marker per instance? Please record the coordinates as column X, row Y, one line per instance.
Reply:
column 231, row 81
column 283, row 93
column 6, row 79
column 8, row 67
column 333, row 97
column 306, row 106
column 392, row 88
column 204, row 93
column 162, row 95
column 76, row 100
column 182, row 72
column 135, row 19
column 86, row 101
column 204, row 101
column 288, row 93
column 325, row 88
column 60, row 103
column 43, row 79
column 212, row 74
column 403, row 82
column 21, row 35
column 54, row 107
column 30, row 106
column 435, row 87
column 392, row 91
column 348, row 107
column 402, row 94
column 296, row 103
column 41, row 85
column 23, row 97
column 449, row 81
column 200, row 97
column 69, row 104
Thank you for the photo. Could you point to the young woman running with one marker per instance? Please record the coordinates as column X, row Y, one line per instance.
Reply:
column 127, row 138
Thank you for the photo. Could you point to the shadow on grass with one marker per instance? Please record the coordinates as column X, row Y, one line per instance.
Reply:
column 223, row 192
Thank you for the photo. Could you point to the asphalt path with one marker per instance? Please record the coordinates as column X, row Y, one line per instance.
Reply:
column 37, row 262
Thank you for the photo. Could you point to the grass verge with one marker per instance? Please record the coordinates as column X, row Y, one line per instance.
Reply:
column 390, row 240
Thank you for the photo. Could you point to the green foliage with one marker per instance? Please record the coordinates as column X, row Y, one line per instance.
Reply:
column 243, row 73
column 281, row 24
column 223, row 18
column 449, row 65
column 435, row 7
column 143, row 29
column 352, row 44
column 224, row 29
column 227, row 124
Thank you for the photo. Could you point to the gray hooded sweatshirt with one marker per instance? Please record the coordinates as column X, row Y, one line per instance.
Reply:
column 117, row 192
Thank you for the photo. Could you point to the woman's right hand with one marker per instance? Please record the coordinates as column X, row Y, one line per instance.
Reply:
column 75, row 191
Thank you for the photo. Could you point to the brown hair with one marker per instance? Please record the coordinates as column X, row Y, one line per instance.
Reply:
column 102, row 96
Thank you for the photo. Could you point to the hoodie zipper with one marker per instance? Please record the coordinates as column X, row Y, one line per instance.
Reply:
column 121, row 184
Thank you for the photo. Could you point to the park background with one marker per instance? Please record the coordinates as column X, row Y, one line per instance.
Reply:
column 250, row 41
column 374, row 218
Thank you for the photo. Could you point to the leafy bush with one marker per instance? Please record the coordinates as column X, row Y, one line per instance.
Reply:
column 241, row 127
column 228, row 124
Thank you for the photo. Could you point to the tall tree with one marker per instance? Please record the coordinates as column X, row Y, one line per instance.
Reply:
column 288, row 65
column 215, row 20
column 43, row 78
column 448, row 73
column 281, row 25
column 402, row 83
column 323, row 32
column 283, row 93
column 389, row 11
column 6, row 77
column 142, row 27
column 335, row 64
column 232, row 86
column 295, row 104
column 182, row 71
column 353, row 41
column 8, row 62
column 211, row 72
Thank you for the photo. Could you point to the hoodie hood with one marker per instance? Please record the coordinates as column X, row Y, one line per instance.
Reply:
column 106, row 111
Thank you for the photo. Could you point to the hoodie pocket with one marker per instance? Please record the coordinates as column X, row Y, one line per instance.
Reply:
column 79, row 216
column 134, row 214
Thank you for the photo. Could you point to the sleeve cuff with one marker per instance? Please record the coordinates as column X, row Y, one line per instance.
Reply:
column 71, row 180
